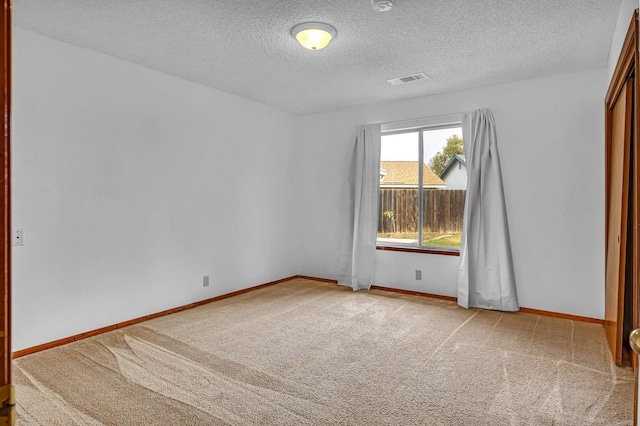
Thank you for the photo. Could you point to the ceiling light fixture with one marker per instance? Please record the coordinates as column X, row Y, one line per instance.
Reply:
column 313, row 35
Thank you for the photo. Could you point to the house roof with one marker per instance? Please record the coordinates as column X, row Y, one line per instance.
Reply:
column 406, row 173
column 456, row 159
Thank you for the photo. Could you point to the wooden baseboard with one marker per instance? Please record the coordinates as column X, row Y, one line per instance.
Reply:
column 65, row 340
column 561, row 315
column 415, row 293
column 454, row 299
column 324, row 280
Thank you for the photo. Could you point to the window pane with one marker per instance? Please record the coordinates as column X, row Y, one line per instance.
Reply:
column 398, row 205
column 445, row 184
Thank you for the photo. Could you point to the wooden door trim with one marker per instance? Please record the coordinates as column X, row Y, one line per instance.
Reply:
column 626, row 66
column 7, row 399
column 628, row 55
column 626, row 63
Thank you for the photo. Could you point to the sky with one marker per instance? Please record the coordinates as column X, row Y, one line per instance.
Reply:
column 404, row 147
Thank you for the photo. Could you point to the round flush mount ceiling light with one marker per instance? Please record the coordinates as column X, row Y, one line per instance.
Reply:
column 313, row 35
column 382, row 5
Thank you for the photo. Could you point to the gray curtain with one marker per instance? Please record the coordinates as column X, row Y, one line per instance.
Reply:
column 357, row 259
column 486, row 277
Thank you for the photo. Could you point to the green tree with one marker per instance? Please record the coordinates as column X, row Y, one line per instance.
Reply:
column 454, row 146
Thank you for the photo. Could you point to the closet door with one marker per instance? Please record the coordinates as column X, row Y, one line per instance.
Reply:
column 618, row 189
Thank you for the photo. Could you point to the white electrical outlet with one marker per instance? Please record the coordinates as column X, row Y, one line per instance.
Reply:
column 205, row 281
column 418, row 274
column 18, row 237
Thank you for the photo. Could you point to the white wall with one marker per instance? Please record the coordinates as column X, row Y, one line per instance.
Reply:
column 550, row 134
column 131, row 185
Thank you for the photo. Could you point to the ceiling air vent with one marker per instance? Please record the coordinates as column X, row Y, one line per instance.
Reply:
column 408, row 78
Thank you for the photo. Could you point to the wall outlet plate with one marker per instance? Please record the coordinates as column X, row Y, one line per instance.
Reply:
column 18, row 237
column 205, row 281
column 418, row 274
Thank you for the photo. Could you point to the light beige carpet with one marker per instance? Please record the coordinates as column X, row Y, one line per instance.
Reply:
column 305, row 352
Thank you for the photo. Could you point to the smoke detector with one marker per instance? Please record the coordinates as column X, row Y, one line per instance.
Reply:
column 382, row 5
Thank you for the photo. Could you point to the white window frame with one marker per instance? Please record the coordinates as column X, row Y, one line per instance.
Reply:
column 419, row 126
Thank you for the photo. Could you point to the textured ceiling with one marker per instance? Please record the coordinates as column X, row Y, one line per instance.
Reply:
column 244, row 47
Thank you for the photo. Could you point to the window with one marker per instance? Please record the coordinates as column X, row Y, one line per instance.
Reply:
column 423, row 182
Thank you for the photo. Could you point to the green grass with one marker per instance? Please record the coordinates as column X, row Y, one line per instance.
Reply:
column 448, row 241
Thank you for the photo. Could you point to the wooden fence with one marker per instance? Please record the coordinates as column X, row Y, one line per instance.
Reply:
column 443, row 210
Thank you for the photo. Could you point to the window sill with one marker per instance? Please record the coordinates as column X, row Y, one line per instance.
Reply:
column 406, row 249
